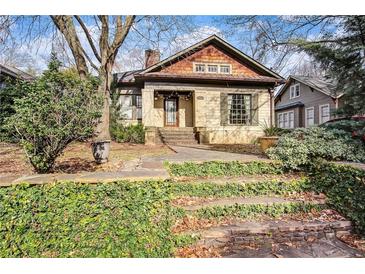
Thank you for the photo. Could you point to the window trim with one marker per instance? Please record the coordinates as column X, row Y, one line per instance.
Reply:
column 200, row 64
column 228, row 65
column 288, row 113
column 250, row 110
column 207, row 68
column 320, row 112
column 290, row 89
column 306, row 116
column 195, row 64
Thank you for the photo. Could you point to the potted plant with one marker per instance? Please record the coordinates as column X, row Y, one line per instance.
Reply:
column 271, row 137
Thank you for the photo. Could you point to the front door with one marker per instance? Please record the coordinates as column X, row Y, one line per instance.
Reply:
column 171, row 112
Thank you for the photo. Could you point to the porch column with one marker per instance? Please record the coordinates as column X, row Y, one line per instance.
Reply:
column 147, row 107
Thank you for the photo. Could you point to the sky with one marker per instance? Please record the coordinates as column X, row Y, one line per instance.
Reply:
column 33, row 53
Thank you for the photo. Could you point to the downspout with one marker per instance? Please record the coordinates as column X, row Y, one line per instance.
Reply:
column 271, row 109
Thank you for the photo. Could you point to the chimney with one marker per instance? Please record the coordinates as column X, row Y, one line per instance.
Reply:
column 151, row 57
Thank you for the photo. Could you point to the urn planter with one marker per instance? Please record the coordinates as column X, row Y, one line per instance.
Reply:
column 267, row 142
column 101, row 151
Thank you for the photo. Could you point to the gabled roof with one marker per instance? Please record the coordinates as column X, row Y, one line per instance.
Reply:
column 322, row 85
column 222, row 44
column 14, row 72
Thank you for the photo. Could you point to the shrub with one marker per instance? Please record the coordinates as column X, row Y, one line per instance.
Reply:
column 123, row 219
column 353, row 127
column 216, row 168
column 273, row 130
column 8, row 95
column 344, row 187
column 302, row 146
column 58, row 108
column 127, row 134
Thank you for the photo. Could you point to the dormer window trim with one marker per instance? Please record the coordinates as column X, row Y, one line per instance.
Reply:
column 206, row 68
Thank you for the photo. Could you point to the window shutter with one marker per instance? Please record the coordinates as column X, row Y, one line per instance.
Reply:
column 224, row 109
column 255, row 109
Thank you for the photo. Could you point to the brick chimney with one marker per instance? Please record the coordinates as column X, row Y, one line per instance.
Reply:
column 151, row 57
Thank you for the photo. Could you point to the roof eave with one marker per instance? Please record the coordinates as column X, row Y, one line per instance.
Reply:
column 226, row 44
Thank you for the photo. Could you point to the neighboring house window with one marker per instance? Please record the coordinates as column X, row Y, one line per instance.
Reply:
column 199, row 67
column 309, row 116
column 239, row 109
column 294, row 91
column 213, row 68
column 139, row 106
column 226, row 69
column 324, row 113
column 286, row 119
column 2, row 85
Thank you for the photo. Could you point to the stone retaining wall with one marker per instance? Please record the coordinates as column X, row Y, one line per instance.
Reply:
column 248, row 233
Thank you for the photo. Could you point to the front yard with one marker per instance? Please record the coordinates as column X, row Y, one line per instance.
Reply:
column 77, row 158
column 186, row 216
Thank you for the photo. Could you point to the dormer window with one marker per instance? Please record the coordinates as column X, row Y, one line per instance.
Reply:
column 294, row 91
column 199, row 67
column 212, row 68
column 226, row 69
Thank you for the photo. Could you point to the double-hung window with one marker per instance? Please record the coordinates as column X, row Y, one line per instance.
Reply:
column 294, row 91
column 286, row 119
column 324, row 113
column 309, row 117
column 239, row 109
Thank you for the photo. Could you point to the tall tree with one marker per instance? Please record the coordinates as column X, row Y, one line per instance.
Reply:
column 110, row 35
column 342, row 55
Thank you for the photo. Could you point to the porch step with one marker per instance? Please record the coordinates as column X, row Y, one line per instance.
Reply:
column 176, row 136
column 237, row 201
column 252, row 232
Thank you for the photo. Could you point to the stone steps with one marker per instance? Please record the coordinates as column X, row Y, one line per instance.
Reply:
column 177, row 136
column 257, row 200
column 245, row 179
column 246, row 233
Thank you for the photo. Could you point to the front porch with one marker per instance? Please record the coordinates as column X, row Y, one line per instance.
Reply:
column 168, row 108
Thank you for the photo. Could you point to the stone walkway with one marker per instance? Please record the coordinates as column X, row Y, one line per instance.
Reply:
column 231, row 201
column 323, row 248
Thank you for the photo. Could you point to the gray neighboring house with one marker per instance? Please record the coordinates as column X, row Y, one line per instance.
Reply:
column 12, row 73
column 306, row 101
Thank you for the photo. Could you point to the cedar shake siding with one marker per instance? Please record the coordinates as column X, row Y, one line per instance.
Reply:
column 228, row 104
column 310, row 98
column 210, row 55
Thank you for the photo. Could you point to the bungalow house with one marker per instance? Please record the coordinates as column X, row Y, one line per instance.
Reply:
column 306, row 101
column 210, row 92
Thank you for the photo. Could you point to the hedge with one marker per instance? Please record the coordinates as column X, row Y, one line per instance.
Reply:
column 344, row 187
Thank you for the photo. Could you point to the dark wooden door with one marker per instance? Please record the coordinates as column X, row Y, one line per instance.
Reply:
column 171, row 112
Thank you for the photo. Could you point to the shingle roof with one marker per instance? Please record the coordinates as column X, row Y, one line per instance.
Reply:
column 14, row 72
column 153, row 71
column 291, row 105
column 218, row 41
column 204, row 76
column 325, row 86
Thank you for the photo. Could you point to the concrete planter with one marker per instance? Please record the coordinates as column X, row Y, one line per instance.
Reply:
column 101, row 151
column 267, row 142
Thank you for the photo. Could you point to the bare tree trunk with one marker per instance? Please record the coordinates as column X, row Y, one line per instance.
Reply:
column 102, row 130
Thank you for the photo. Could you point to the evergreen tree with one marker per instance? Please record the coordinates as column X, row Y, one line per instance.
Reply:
column 342, row 55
